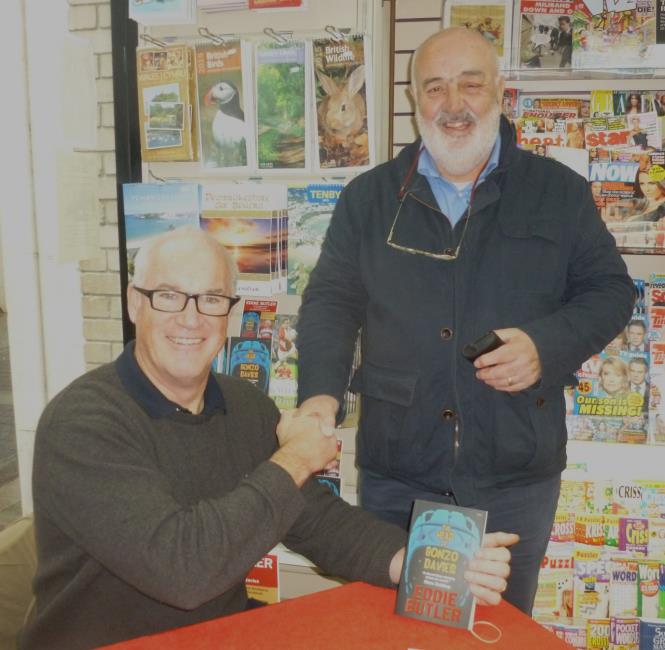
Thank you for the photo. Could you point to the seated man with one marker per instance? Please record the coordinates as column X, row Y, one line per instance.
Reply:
column 157, row 485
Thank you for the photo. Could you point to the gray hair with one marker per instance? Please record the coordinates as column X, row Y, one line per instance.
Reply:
column 442, row 33
column 144, row 256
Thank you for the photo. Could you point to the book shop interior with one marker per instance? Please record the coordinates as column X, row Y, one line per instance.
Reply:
column 296, row 349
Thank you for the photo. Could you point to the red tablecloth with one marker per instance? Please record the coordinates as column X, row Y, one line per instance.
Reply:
column 354, row 617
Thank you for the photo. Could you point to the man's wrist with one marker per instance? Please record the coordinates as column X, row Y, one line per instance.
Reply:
column 293, row 466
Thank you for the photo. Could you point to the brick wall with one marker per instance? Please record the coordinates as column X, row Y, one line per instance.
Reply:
column 100, row 278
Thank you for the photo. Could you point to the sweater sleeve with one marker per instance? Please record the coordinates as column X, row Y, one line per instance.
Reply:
column 344, row 540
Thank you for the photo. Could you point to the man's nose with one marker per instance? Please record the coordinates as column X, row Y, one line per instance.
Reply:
column 453, row 101
column 190, row 314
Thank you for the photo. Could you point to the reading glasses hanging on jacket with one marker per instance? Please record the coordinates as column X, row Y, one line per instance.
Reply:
column 446, row 255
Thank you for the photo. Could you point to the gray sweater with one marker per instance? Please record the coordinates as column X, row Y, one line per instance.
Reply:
column 147, row 523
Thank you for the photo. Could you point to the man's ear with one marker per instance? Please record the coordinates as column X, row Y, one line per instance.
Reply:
column 133, row 302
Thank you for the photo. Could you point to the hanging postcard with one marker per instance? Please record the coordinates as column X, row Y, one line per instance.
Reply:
column 224, row 105
column 281, row 92
column 614, row 35
column 546, row 33
column 155, row 208
column 166, row 91
column 492, row 19
column 344, row 123
column 243, row 217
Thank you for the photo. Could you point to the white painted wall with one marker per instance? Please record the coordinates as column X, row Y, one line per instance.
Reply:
column 43, row 296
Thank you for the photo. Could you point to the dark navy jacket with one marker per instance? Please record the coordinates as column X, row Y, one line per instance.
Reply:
column 535, row 255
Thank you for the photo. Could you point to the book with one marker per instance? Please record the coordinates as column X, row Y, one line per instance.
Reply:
column 225, row 113
column 624, row 633
column 262, row 581
column 284, row 362
column 250, row 359
column 442, row 540
column 242, row 217
column 310, row 209
column 151, row 209
column 167, row 106
column 344, row 120
column 282, row 95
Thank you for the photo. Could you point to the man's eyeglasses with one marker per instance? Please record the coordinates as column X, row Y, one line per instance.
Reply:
column 448, row 254
column 208, row 304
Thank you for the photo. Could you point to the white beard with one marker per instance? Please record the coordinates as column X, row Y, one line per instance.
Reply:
column 459, row 155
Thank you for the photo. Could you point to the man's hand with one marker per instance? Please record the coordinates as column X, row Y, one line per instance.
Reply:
column 490, row 568
column 325, row 407
column 304, row 447
column 513, row 366
column 487, row 572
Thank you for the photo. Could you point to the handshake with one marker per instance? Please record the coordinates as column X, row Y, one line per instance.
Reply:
column 307, row 440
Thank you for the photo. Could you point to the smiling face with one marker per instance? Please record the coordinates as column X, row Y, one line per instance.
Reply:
column 458, row 100
column 650, row 188
column 175, row 350
column 613, row 377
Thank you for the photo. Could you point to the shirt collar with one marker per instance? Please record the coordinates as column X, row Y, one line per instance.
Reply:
column 427, row 166
column 150, row 399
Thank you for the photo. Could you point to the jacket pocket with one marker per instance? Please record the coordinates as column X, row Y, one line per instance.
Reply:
column 388, row 397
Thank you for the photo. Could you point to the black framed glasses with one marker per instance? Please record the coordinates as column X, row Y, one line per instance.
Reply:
column 172, row 301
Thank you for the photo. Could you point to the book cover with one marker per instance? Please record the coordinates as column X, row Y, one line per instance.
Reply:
column 343, row 120
column 624, row 633
column 442, row 540
column 250, row 359
column 281, row 100
column 284, row 367
column 652, row 634
column 310, row 208
column 166, row 113
column 262, row 581
column 224, row 106
column 240, row 216
column 155, row 208
column 598, row 632
column 331, row 478
column 648, row 588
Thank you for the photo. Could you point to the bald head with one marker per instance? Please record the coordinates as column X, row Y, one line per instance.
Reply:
column 455, row 39
column 184, row 244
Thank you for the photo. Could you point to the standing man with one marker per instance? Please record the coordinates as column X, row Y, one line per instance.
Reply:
column 461, row 234
column 157, row 486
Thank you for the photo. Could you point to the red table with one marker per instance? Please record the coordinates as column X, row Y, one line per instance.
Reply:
column 355, row 616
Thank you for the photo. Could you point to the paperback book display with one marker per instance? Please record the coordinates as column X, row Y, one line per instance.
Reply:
column 442, row 540
column 343, row 122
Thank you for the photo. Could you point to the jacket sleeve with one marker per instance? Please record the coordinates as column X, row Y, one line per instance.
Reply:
column 597, row 304
column 333, row 306
column 344, row 540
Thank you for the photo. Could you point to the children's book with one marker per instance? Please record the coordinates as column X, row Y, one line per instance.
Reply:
column 442, row 541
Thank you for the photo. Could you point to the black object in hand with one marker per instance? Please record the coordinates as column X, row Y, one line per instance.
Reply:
column 486, row 343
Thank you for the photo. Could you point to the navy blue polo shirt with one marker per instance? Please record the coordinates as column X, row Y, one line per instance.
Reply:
column 151, row 399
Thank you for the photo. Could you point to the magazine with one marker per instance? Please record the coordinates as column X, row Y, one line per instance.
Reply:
column 224, row 105
column 167, row 117
column 442, row 540
column 310, row 209
column 546, row 33
column 344, row 123
column 491, row 19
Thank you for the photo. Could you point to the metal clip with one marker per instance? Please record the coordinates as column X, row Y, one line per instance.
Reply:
column 155, row 177
column 153, row 41
column 336, row 34
column 215, row 38
column 280, row 37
